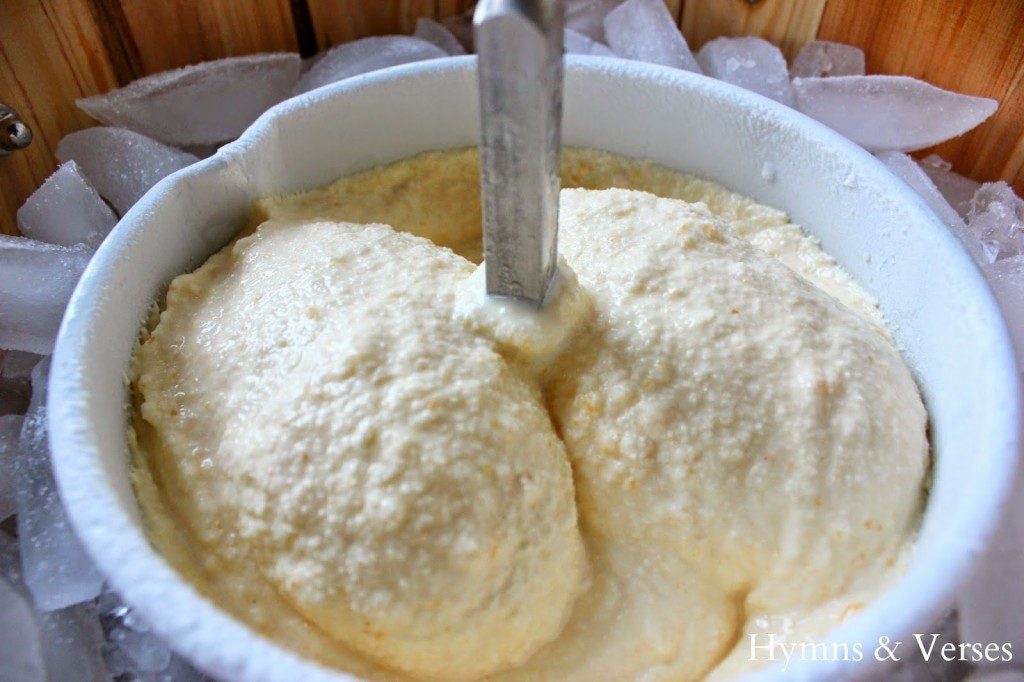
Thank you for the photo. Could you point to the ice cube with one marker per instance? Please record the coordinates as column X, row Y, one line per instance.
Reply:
column 995, row 215
column 71, row 643
column 364, row 55
column 911, row 173
column 890, row 112
column 20, row 651
column 115, row 660
column 121, row 164
column 10, row 432
column 587, row 16
column 1006, row 277
column 956, row 189
column 907, row 170
column 66, row 210
column 56, row 568
column 68, row 640
column 820, row 58
column 645, row 31
column 109, row 605
column 132, row 650
column 145, row 650
column 176, row 671
column 309, row 62
column 991, row 602
column 199, row 104
column 36, row 281
column 131, row 620
column 439, row 35
column 751, row 63
column 115, row 613
column 577, row 43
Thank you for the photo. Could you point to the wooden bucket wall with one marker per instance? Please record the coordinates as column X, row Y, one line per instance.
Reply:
column 54, row 51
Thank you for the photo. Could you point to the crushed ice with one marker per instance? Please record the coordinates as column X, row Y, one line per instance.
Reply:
column 66, row 210
column 995, row 217
column 586, row 17
column 662, row 43
column 439, row 35
column 121, row 164
column 825, row 58
column 751, row 63
column 955, row 188
column 579, row 43
column 55, row 626
column 30, row 315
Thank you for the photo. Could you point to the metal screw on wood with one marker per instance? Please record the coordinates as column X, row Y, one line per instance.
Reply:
column 14, row 134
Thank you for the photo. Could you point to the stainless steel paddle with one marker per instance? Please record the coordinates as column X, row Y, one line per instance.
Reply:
column 519, row 43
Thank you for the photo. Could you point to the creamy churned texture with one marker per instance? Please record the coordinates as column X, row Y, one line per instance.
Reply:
column 392, row 477
column 707, row 432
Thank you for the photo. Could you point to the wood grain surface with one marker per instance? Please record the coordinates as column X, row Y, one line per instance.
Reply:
column 54, row 51
column 447, row 8
column 337, row 21
column 51, row 52
column 173, row 33
column 787, row 23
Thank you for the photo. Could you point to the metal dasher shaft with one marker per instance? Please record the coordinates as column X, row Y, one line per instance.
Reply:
column 519, row 43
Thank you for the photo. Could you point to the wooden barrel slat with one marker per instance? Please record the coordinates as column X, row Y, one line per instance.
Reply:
column 787, row 23
column 51, row 52
column 337, row 21
column 173, row 33
column 447, row 8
